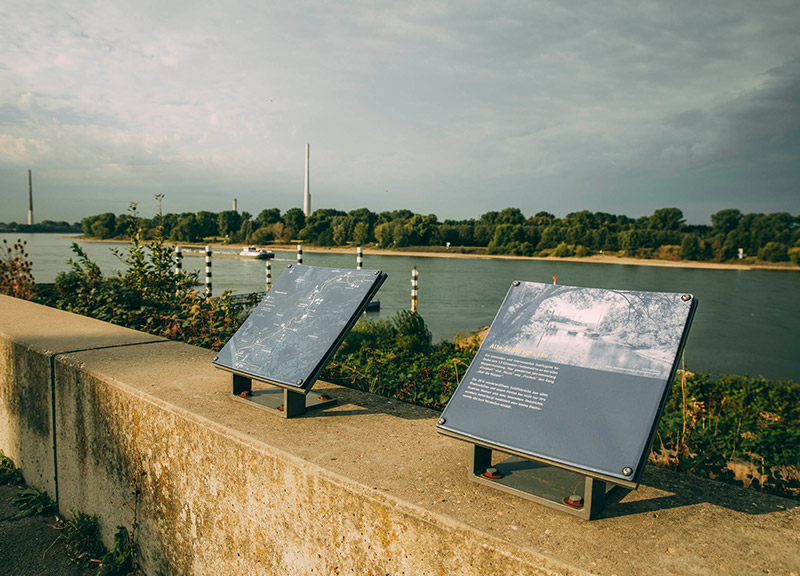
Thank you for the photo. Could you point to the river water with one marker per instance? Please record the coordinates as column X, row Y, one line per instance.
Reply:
column 747, row 322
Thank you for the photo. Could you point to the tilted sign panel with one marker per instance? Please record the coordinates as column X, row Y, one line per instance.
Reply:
column 298, row 325
column 573, row 376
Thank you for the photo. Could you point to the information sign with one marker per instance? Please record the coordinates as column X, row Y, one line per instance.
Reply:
column 298, row 326
column 573, row 377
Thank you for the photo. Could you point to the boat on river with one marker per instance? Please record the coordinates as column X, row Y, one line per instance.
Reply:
column 256, row 253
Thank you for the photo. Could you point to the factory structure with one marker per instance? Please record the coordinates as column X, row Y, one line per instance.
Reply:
column 307, row 192
column 30, row 198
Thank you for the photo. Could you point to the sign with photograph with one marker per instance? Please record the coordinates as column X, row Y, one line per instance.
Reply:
column 571, row 376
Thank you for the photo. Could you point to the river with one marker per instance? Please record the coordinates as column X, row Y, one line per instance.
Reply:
column 747, row 322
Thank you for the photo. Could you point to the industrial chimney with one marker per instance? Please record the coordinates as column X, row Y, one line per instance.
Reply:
column 30, row 198
column 307, row 194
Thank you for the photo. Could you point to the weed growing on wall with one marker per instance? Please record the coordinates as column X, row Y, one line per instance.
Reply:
column 9, row 474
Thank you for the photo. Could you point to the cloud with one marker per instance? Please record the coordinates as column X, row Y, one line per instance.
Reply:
column 457, row 106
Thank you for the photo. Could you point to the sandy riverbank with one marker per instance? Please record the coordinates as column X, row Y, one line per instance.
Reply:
column 595, row 258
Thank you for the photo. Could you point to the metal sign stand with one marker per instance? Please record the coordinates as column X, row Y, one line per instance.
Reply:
column 559, row 488
column 280, row 401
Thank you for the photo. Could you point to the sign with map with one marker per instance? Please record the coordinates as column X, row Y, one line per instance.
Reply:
column 298, row 326
column 575, row 377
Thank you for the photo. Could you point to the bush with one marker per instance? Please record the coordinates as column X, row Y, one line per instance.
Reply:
column 773, row 252
column 734, row 428
column 148, row 296
column 563, row 250
column 395, row 358
column 16, row 278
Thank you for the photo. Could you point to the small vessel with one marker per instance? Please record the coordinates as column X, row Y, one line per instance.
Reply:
column 257, row 253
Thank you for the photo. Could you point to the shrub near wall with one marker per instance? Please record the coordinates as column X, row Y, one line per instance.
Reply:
column 733, row 428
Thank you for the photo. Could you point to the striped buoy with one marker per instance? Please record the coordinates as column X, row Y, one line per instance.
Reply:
column 269, row 274
column 414, row 286
column 359, row 258
column 299, row 253
column 208, row 270
column 178, row 260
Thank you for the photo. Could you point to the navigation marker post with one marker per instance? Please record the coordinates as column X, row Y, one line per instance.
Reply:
column 359, row 258
column 414, row 287
column 208, row 270
column 178, row 260
column 269, row 273
column 299, row 253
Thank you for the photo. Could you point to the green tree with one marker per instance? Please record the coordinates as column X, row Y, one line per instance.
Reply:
column 207, row 226
column 690, row 247
column 361, row 234
column 268, row 217
column 773, row 252
column 666, row 219
column 726, row 220
column 295, row 219
column 229, row 222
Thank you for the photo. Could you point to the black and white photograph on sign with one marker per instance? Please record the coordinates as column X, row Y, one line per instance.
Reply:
column 295, row 327
column 573, row 376
column 618, row 331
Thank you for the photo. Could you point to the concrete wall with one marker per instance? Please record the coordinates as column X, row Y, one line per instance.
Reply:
column 146, row 433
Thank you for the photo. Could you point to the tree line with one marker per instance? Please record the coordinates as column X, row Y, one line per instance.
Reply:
column 43, row 226
column 664, row 234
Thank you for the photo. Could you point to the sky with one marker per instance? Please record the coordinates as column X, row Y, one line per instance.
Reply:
column 451, row 108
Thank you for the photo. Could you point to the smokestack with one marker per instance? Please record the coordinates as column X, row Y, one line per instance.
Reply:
column 307, row 194
column 30, row 198
column 234, row 205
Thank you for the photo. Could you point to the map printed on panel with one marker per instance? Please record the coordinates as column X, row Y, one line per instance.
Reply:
column 571, row 375
column 296, row 327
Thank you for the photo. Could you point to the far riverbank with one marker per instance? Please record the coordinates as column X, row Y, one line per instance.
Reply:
column 445, row 253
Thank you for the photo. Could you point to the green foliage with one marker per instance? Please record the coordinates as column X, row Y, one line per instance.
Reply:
column 148, row 295
column 734, row 428
column 773, row 252
column 32, row 502
column 396, row 358
column 9, row 474
column 81, row 537
column 504, row 232
column 16, row 278
column 120, row 560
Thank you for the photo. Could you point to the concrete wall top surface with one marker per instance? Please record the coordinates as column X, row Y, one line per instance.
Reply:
column 389, row 452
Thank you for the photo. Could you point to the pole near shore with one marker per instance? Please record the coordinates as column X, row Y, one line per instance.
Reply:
column 269, row 274
column 359, row 258
column 208, row 270
column 178, row 260
column 299, row 253
column 414, row 286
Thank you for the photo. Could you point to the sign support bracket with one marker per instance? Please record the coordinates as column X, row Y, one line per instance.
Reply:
column 280, row 401
column 571, row 492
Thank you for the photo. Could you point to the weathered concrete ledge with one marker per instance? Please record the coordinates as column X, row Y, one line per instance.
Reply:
column 141, row 430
